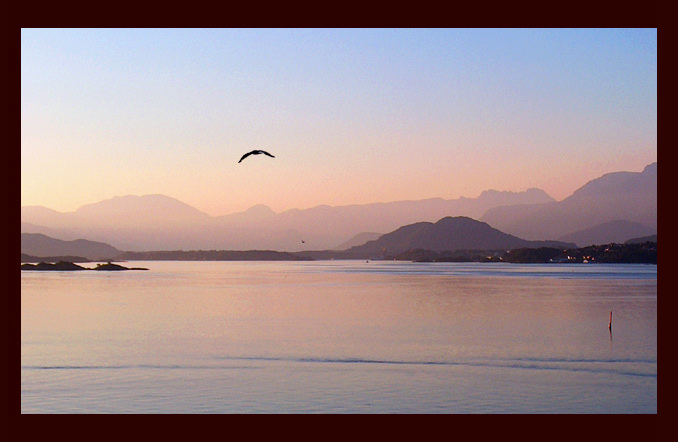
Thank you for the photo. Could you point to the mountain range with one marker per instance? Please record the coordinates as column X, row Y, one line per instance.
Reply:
column 618, row 196
column 158, row 222
column 618, row 231
column 448, row 234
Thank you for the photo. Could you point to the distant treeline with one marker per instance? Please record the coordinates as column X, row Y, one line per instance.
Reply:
column 67, row 258
column 645, row 253
column 610, row 253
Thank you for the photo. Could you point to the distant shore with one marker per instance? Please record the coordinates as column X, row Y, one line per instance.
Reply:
column 632, row 253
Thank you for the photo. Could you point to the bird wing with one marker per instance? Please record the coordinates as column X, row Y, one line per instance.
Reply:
column 266, row 153
column 245, row 156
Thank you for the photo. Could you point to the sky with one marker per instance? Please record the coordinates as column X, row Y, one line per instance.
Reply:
column 352, row 116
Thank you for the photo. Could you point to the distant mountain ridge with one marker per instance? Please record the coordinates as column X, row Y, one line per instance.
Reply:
column 158, row 222
column 132, row 210
column 617, row 231
column 630, row 196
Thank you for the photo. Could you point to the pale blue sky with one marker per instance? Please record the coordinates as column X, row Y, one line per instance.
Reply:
column 353, row 116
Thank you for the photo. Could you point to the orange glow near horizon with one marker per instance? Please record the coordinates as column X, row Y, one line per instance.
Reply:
column 353, row 116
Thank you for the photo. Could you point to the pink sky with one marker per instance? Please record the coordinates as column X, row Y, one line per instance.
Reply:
column 352, row 116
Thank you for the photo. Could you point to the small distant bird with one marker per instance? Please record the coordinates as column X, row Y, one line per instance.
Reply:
column 255, row 152
column 303, row 242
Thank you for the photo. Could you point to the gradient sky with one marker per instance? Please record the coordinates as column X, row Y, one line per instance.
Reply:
column 353, row 116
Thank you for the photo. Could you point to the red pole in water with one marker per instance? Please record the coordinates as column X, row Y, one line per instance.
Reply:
column 610, row 324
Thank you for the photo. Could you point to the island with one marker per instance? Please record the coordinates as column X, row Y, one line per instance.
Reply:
column 69, row 266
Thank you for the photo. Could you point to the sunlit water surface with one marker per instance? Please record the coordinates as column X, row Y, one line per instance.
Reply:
column 340, row 337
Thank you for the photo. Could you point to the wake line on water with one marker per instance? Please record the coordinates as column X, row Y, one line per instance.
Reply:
column 385, row 361
column 536, row 364
column 520, row 363
column 133, row 367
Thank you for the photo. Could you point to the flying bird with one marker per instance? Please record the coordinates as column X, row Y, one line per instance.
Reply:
column 255, row 152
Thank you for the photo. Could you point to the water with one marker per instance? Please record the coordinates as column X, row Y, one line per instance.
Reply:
column 340, row 337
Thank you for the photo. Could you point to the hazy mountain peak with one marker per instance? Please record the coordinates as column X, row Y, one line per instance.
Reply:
column 260, row 210
column 43, row 216
column 630, row 196
column 143, row 203
column 532, row 195
column 616, row 231
column 137, row 202
column 619, row 184
column 131, row 211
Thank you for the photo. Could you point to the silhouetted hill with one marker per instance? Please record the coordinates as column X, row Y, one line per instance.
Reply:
column 39, row 245
column 615, row 196
column 617, row 231
column 448, row 234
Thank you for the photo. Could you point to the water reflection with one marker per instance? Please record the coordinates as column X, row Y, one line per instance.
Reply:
column 341, row 324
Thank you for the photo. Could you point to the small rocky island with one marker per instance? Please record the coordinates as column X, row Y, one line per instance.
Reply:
column 69, row 266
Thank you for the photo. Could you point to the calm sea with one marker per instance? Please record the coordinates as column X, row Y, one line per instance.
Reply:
column 340, row 337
